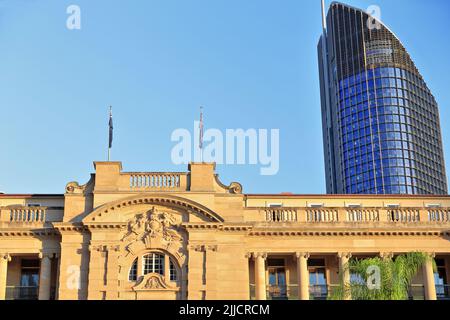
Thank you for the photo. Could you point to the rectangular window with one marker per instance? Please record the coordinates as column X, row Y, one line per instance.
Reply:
column 315, row 205
column 173, row 272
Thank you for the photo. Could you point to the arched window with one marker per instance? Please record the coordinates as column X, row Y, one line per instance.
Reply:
column 155, row 263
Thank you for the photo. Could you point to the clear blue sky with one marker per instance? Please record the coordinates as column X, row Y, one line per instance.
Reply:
column 251, row 64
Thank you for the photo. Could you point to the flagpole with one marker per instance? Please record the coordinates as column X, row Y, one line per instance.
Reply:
column 201, row 135
column 110, row 134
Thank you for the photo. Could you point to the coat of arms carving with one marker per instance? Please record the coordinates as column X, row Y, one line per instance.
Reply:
column 155, row 228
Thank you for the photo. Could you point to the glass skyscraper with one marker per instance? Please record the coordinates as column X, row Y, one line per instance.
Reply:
column 381, row 123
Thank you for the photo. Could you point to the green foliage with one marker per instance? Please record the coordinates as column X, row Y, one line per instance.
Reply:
column 395, row 278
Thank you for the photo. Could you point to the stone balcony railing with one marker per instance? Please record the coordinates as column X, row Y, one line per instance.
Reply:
column 29, row 216
column 354, row 215
column 152, row 181
column 281, row 215
column 21, row 214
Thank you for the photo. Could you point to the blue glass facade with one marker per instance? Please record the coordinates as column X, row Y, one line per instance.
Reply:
column 381, row 122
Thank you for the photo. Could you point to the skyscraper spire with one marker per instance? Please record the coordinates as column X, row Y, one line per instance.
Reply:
column 324, row 18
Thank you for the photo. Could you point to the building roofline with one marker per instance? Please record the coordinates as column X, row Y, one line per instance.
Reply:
column 18, row 195
column 352, row 196
column 375, row 18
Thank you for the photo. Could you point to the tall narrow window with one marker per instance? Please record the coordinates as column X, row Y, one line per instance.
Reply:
column 133, row 271
column 173, row 272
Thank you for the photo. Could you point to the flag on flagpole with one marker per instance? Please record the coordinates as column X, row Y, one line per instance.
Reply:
column 111, row 128
column 200, row 144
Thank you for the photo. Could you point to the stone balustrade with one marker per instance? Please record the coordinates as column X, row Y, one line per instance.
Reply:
column 354, row 215
column 281, row 214
column 156, row 181
column 363, row 215
column 322, row 215
column 403, row 215
column 439, row 215
column 28, row 214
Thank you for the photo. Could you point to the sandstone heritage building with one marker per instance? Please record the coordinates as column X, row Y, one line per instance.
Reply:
column 189, row 236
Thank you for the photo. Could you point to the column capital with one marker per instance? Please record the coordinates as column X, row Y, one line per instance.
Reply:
column 204, row 248
column 5, row 256
column 387, row 255
column 113, row 248
column 211, row 248
column 105, row 248
column 305, row 255
column 45, row 255
column 257, row 255
column 431, row 255
column 344, row 255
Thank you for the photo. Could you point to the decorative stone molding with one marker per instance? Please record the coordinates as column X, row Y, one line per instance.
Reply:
column 74, row 187
column 257, row 255
column 105, row 226
column 235, row 188
column 296, row 233
column 154, row 225
column 432, row 255
column 386, row 255
column 104, row 248
column 204, row 248
column 153, row 282
column 158, row 200
column 157, row 229
column 236, row 228
column 201, row 225
column 5, row 256
column 67, row 227
column 46, row 255
column 344, row 255
column 29, row 233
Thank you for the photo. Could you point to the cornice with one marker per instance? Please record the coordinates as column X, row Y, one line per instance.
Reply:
column 105, row 225
column 28, row 232
column 66, row 227
column 348, row 233
column 218, row 226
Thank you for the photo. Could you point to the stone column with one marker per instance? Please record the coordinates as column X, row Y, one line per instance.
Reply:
column 211, row 272
column 260, row 276
column 112, row 272
column 196, row 280
column 45, row 277
column 74, row 263
column 428, row 276
column 344, row 258
column 303, row 275
column 4, row 259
